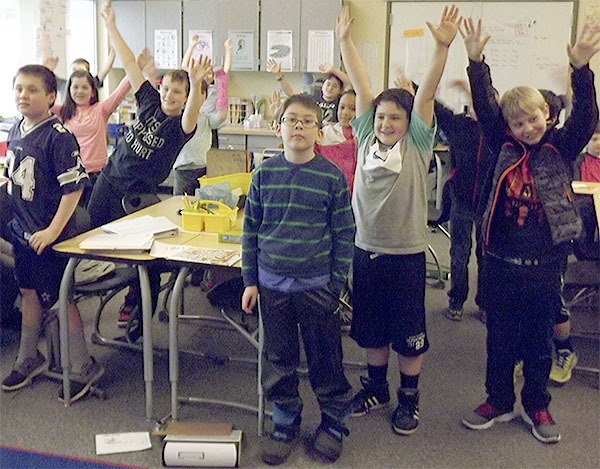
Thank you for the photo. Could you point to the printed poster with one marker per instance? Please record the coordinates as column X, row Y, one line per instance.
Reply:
column 279, row 48
column 165, row 48
column 243, row 50
column 205, row 43
column 320, row 49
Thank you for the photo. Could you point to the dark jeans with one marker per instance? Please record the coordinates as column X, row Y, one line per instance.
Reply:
column 521, row 304
column 186, row 181
column 312, row 311
column 462, row 220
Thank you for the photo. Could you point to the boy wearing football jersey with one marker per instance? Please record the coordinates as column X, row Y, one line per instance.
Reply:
column 45, row 181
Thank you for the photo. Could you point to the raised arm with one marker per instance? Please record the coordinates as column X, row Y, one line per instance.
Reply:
column 185, row 63
column 275, row 68
column 443, row 34
column 107, row 65
column 222, row 84
column 132, row 70
column 197, row 73
column 345, row 79
column 357, row 71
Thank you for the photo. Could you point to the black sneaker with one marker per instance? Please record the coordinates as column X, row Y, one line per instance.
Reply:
column 326, row 442
column 405, row 418
column 276, row 448
column 81, row 382
column 22, row 374
column 370, row 397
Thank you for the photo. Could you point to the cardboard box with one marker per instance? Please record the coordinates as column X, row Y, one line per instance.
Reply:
column 220, row 162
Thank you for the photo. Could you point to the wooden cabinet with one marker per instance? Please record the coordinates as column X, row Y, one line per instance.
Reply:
column 255, row 140
column 298, row 16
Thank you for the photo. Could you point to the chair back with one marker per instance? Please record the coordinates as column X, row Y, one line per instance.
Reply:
column 133, row 202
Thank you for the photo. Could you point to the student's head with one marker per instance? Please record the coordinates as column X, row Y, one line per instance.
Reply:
column 593, row 147
column 82, row 92
column 174, row 90
column 80, row 64
column 35, row 91
column 555, row 105
column 300, row 123
column 526, row 113
column 392, row 115
column 346, row 108
column 332, row 87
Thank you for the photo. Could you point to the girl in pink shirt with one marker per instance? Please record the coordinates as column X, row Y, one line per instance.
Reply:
column 87, row 119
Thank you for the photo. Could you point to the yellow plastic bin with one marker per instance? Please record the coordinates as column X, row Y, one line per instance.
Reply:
column 192, row 220
column 221, row 219
column 235, row 180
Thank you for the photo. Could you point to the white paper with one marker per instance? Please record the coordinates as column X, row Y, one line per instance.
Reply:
column 320, row 49
column 195, row 254
column 110, row 443
column 279, row 48
column 137, row 242
column 205, row 43
column 243, row 50
column 146, row 224
column 165, row 48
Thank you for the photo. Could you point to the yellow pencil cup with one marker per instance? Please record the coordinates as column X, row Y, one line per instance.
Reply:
column 192, row 221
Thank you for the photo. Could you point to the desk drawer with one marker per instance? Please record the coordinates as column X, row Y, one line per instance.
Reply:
column 232, row 142
column 257, row 143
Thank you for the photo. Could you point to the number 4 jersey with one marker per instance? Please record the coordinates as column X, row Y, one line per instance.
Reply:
column 42, row 164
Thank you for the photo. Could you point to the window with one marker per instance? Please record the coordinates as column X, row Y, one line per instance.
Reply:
column 21, row 44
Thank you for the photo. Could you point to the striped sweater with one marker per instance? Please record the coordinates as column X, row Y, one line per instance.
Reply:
column 298, row 222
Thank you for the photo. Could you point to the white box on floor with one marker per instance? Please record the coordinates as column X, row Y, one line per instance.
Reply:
column 203, row 451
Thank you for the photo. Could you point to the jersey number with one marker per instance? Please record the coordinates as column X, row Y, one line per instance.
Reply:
column 23, row 176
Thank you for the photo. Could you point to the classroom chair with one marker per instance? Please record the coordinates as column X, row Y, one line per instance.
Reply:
column 436, row 218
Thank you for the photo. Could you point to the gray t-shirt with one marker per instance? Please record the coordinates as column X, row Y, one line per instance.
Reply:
column 390, row 207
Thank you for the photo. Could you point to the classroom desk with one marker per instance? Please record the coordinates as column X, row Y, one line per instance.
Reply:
column 591, row 188
column 70, row 248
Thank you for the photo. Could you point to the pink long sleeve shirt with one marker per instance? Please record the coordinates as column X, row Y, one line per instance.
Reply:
column 90, row 126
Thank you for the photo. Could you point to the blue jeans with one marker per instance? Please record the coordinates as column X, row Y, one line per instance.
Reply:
column 462, row 220
column 313, row 312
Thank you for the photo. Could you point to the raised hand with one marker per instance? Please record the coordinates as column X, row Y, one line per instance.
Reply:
column 143, row 58
column 325, row 69
column 402, row 82
column 194, row 41
column 343, row 24
column 445, row 33
column 275, row 104
column 588, row 43
column 199, row 70
column 228, row 53
column 474, row 42
column 50, row 62
column 274, row 67
column 108, row 14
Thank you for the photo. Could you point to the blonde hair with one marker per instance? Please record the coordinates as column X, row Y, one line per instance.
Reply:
column 521, row 99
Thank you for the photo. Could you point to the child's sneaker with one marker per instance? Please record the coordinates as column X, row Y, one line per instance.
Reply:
column 405, row 418
column 126, row 313
column 277, row 446
column 542, row 425
column 370, row 397
column 22, row 374
column 326, row 442
column 454, row 314
column 562, row 366
column 485, row 416
column 81, row 382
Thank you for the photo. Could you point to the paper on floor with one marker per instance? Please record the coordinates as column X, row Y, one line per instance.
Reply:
column 110, row 443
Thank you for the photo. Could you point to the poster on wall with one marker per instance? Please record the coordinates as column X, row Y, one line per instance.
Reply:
column 243, row 50
column 204, row 43
column 165, row 48
column 279, row 48
column 320, row 49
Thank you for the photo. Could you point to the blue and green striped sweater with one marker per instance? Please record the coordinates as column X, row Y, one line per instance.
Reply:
column 298, row 221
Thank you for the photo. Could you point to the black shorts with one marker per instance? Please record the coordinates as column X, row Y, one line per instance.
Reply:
column 388, row 302
column 42, row 273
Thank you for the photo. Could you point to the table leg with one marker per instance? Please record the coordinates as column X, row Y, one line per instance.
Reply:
column 174, row 311
column 147, row 336
column 63, row 319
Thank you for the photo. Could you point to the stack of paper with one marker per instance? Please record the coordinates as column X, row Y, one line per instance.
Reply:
column 158, row 227
column 131, row 244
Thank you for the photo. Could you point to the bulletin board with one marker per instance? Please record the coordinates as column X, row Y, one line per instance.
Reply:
column 527, row 45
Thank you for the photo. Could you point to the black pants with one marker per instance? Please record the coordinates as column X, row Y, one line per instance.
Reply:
column 521, row 304
column 313, row 311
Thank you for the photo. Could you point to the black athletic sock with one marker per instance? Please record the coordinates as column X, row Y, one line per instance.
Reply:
column 561, row 344
column 409, row 381
column 378, row 374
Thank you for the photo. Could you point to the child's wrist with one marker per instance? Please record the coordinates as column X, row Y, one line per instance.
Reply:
column 279, row 77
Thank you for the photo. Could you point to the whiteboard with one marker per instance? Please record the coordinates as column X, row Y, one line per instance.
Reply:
column 527, row 45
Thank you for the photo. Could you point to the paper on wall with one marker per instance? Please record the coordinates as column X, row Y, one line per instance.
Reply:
column 279, row 48
column 165, row 48
column 320, row 49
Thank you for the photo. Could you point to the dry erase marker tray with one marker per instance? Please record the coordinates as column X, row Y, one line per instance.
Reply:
column 208, row 215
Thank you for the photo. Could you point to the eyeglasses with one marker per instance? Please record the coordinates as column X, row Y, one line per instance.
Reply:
column 307, row 123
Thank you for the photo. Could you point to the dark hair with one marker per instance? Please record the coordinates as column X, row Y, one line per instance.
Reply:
column 83, row 62
column 350, row 91
column 182, row 77
column 333, row 75
column 304, row 100
column 44, row 73
column 555, row 105
column 402, row 98
column 69, row 107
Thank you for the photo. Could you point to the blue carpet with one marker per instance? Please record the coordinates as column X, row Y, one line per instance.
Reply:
column 11, row 457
